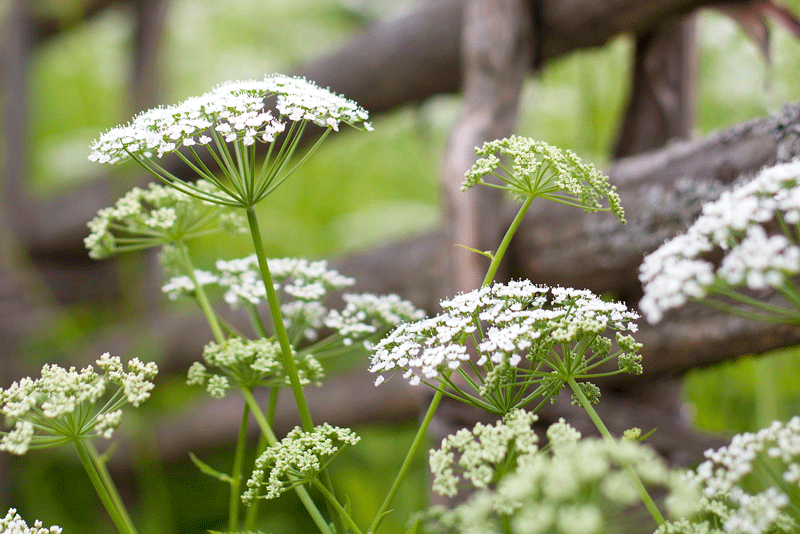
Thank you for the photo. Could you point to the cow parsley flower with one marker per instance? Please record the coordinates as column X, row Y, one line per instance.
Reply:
column 12, row 523
column 570, row 487
column 303, row 288
column 756, row 227
column 248, row 364
column 61, row 406
column 542, row 170
column 296, row 460
column 528, row 341
column 485, row 454
column 145, row 218
column 752, row 486
column 234, row 113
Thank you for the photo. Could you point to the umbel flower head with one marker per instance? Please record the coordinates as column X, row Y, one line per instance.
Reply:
column 528, row 341
column 542, row 170
column 303, row 287
column 296, row 460
column 485, row 454
column 247, row 364
column 233, row 113
column 12, row 523
column 756, row 227
column 60, row 407
column 156, row 216
column 751, row 486
column 572, row 487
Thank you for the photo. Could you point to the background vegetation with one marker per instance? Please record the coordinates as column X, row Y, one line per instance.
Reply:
column 357, row 191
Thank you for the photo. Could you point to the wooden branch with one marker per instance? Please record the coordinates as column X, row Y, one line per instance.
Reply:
column 662, row 100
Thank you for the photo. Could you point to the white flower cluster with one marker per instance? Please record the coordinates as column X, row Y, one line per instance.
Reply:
column 741, row 224
column 297, row 459
column 151, row 217
column 232, row 111
column 248, row 364
column 485, row 454
column 726, row 478
column 303, row 286
column 365, row 314
column 12, row 523
column 298, row 279
column 183, row 285
column 520, row 321
column 539, row 169
column 48, row 404
column 576, row 487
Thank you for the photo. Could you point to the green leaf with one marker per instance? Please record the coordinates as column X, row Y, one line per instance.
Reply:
column 487, row 253
column 210, row 471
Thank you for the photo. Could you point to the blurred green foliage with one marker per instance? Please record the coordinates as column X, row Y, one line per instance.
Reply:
column 358, row 190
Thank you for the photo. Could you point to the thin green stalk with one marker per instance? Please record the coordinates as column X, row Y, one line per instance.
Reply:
column 251, row 515
column 501, row 250
column 236, row 475
column 407, row 462
column 266, row 430
column 332, row 500
column 105, row 476
column 637, row 483
column 277, row 320
column 202, row 299
column 283, row 339
column 118, row 515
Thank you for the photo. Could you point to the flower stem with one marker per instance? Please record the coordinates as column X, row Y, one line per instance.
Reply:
column 501, row 250
column 202, row 299
column 104, row 487
column 407, row 462
column 635, row 480
column 252, row 511
column 266, row 430
column 236, row 475
column 332, row 500
column 277, row 320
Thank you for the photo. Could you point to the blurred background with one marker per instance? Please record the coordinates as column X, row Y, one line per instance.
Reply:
column 359, row 190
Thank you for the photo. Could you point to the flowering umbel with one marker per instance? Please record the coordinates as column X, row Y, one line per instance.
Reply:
column 542, row 170
column 60, row 406
column 297, row 459
column 572, row 486
column 751, row 486
column 228, row 122
column 756, row 226
column 529, row 341
column 155, row 216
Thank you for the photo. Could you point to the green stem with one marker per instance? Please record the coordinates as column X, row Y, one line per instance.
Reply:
column 238, row 468
column 266, row 430
column 407, row 462
column 635, row 480
column 200, row 293
column 105, row 476
column 114, row 507
column 501, row 250
column 277, row 321
column 332, row 500
column 252, row 511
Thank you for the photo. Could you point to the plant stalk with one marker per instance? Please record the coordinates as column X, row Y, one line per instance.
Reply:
column 108, row 494
column 635, row 480
column 266, row 430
